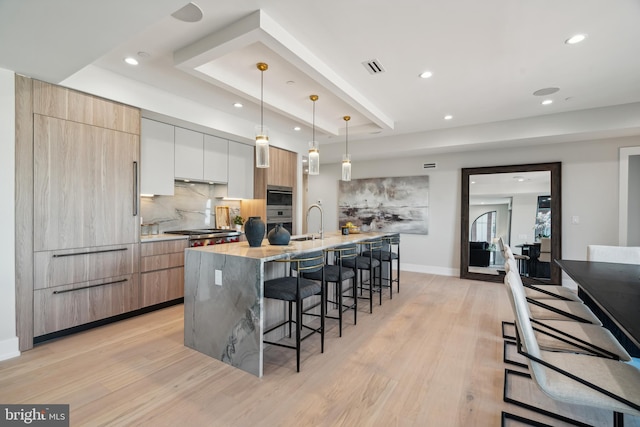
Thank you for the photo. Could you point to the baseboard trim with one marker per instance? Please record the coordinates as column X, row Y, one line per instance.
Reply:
column 430, row 269
column 9, row 348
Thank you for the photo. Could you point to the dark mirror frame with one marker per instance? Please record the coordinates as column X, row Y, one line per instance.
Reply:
column 556, row 217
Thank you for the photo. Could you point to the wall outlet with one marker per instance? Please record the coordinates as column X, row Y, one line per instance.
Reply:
column 218, row 278
column 575, row 219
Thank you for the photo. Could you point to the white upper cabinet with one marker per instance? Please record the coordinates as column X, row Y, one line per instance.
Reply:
column 189, row 158
column 216, row 155
column 240, row 183
column 157, row 158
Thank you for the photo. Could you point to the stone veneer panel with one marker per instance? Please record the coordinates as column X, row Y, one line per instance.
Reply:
column 193, row 205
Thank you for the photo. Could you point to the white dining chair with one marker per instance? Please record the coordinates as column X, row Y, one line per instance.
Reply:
column 574, row 378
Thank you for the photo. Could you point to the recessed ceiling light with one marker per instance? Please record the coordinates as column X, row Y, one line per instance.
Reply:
column 448, row 117
column 575, row 39
column 304, row 160
column 473, row 182
column 297, row 128
column 238, row 105
column 130, row 60
column 425, row 74
column 519, row 178
column 547, row 102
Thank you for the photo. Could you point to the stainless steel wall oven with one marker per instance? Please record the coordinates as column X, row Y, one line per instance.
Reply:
column 279, row 207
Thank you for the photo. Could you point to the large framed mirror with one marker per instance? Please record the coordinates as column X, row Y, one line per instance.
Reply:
column 520, row 204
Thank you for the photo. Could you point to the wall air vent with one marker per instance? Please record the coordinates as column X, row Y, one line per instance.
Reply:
column 373, row 66
column 429, row 165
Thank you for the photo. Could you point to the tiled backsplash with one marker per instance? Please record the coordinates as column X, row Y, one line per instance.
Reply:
column 192, row 206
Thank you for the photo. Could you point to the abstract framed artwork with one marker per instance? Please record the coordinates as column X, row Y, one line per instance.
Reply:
column 395, row 204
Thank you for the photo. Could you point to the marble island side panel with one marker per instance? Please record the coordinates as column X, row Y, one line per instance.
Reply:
column 224, row 321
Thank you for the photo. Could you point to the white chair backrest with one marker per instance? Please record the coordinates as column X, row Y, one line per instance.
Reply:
column 511, row 265
column 619, row 254
column 501, row 244
column 508, row 253
column 523, row 323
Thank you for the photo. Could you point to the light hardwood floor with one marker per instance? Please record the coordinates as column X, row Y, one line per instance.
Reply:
column 432, row 356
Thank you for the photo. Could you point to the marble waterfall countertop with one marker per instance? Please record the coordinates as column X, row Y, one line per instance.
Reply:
column 225, row 313
column 268, row 252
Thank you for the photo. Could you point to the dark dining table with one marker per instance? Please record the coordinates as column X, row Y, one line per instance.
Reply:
column 615, row 290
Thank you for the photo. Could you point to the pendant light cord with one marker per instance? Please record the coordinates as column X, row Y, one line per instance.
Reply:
column 313, row 126
column 261, row 102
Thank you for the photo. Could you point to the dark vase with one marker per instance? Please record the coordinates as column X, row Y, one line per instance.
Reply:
column 254, row 231
column 279, row 235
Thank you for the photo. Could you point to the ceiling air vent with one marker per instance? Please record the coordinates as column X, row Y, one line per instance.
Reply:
column 373, row 66
column 429, row 166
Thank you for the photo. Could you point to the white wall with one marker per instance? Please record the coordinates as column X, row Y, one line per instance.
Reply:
column 633, row 230
column 8, row 338
column 589, row 192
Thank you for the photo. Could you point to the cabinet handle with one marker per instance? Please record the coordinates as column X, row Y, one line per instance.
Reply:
column 90, row 286
column 89, row 253
column 135, row 188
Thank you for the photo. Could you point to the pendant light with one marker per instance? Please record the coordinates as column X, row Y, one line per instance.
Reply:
column 314, row 153
column 346, row 159
column 262, row 134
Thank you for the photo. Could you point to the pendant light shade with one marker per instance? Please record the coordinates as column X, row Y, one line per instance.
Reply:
column 314, row 152
column 346, row 158
column 262, row 134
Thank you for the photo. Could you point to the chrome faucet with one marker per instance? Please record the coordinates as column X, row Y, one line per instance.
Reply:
column 317, row 205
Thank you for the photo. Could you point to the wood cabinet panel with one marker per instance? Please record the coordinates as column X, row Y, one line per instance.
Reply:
column 160, row 286
column 85, row 184
column 56, row 101
column 67, row 306
column 283, row 167
column 55, row 268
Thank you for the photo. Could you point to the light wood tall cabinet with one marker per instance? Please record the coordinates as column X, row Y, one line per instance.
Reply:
column 77, row 158
column 282, row 171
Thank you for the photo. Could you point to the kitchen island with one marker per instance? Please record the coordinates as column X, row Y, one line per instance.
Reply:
column 224, row 310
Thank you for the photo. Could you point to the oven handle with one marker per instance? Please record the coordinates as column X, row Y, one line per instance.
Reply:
column 280, row 192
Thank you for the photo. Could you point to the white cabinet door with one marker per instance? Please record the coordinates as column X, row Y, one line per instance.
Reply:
column 240, row 171
column 189, row 159
column 156, row 158
column 216, row 155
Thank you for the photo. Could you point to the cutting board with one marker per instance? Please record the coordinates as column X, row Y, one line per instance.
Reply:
column 222, row 217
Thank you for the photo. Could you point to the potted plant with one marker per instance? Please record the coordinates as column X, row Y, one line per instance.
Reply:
column 238, row 221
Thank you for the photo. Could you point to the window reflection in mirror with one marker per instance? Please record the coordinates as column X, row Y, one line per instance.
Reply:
column 515, row 206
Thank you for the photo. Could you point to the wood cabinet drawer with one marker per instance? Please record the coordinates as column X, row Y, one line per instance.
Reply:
column 161, row 286
column 164, row 247
column 159, row 262
column 55, row 268
column 67, row 306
